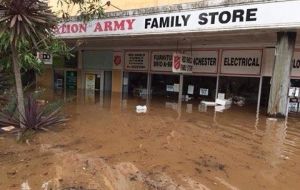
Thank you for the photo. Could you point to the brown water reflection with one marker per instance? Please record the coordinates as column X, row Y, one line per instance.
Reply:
column 106, row 145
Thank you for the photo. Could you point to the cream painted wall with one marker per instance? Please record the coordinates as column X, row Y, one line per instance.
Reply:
column 125, row 5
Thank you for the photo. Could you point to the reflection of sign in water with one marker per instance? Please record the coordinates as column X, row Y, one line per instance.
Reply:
column 161, row 61
column 136, row 61
column 71, row 79
column 242, row 62
column 90, row 96
column 203, row 91
column 182, row 63
column 90, row 81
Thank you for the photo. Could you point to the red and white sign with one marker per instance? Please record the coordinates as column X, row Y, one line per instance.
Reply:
column 118, row 60
column 182, row 63
column 137, row 60
column 241, row 62
column 269, row 15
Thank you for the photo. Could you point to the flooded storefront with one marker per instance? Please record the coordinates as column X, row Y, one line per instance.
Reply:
column 232, row 57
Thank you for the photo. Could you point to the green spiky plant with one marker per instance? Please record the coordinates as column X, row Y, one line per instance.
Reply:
column 37, row 117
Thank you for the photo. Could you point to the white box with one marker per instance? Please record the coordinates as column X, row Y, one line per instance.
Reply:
column 223, row 102
column 221, row 96
column 293, row 106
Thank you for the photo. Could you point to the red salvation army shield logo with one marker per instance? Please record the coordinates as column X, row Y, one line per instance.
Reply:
column 176, row 62
column 117, row 60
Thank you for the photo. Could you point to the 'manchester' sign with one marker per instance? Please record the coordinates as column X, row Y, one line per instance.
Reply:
column 255, row 16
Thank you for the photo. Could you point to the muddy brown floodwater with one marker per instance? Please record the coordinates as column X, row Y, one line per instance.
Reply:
column 107, row 145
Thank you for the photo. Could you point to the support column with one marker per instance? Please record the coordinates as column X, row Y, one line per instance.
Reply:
column 280, row 83
column 149, row 84
column 180, row 96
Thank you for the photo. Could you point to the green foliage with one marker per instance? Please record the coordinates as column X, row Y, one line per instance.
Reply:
column 27, row 20
column 28, row 25
column 28, row 58
column 37, row 117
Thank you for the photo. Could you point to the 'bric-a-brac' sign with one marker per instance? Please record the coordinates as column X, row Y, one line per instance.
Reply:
column 256, row 16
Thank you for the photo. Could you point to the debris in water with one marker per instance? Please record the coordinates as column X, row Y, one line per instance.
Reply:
column 8, row 128
column 25, row 186
column 207, row 103
column 239, row 100
column 223, row 102
column 222, row 108
column 141, row 109
column 272, row 119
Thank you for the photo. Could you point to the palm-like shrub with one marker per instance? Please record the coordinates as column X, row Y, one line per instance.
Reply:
column 37, row 117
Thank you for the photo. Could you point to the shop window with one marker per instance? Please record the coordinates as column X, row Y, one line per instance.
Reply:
column 135, row 84
column 199, row 87
column 166, row 86
column 240, row 89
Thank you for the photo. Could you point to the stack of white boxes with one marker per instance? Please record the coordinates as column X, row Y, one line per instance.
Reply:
column 294, row 95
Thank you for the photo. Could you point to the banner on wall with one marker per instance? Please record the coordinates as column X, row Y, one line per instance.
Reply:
column 118, row 60
column 182, row 63
column 241, row 62
column 205, row 61
column 283, row 14
column 162, row 61
column 90, row 80
column 136, row 61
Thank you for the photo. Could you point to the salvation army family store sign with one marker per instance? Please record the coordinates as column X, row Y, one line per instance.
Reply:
column 256, row 16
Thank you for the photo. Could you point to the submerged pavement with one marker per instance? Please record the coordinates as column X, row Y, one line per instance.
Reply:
column 107, row 145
